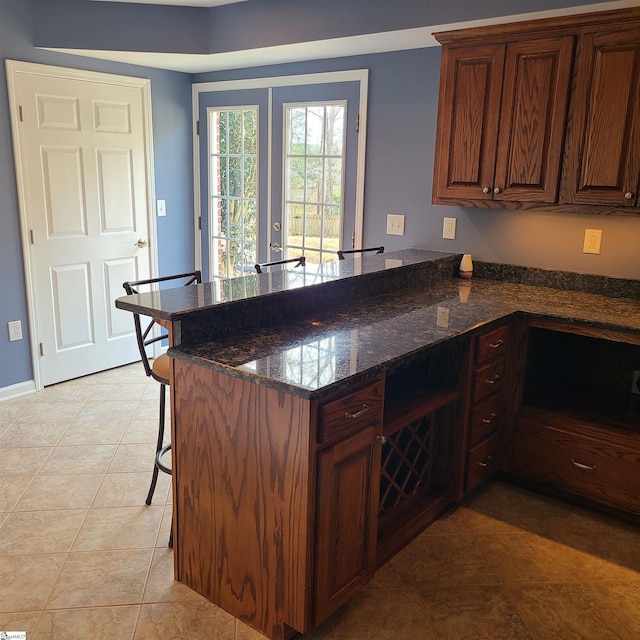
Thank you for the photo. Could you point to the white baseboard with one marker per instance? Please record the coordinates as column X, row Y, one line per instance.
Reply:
column 17, row 390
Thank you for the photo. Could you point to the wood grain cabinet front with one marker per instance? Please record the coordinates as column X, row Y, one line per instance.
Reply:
column 500, row 121
column 605, row 469
column 542, row 112
column 348, row 487
column 491, row 351
column 602, row 153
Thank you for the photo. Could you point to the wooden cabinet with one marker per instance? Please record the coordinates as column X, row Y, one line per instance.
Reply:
column 540, row 113
column 489, row 383
column 602, row 156
column 501, row 120
column 600, row 464
column 578, row 427
column 348, row 481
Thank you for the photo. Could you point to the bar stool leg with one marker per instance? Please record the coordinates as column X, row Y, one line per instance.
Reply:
column 154, row 477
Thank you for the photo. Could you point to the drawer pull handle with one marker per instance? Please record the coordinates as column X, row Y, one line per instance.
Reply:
column 498, row 343
column 381, row 439
column 357, row 414
column 489, row 420
column 493, row 380
column 485, row 464
column 580, row 465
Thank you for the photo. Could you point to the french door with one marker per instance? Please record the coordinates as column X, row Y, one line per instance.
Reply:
column 280, row 171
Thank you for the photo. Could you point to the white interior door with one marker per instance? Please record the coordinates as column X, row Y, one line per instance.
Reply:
column 83, row 159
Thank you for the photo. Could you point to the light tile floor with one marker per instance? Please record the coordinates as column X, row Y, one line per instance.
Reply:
column 83, row 558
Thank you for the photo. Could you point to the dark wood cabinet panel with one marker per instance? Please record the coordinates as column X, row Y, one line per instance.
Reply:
column 568, row 109
column 243, row 497
column 468, row 116
column 483, row 461
column 602, row 156
column 533, row 112
column 489, row 384
column 348, row 487
column 501, row 120
column 594, row 468
column 578, row 424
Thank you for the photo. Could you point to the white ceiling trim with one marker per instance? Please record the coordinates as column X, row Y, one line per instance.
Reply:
column 321, row 49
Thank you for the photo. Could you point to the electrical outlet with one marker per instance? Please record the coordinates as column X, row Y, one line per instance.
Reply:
column 635, row 385
column 449, row 229
column 592, row 241
column 15, row 330
column 395, row 224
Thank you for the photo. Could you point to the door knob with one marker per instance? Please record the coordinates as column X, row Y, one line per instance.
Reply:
column 275, row 246
column 141, row 244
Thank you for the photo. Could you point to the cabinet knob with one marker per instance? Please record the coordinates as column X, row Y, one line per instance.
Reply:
column 381, row 439
column 487, row 462
column 628, row 195
column 486, row 190
column 496, row 190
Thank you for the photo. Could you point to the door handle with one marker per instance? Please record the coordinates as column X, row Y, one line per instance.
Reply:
column 141, row 244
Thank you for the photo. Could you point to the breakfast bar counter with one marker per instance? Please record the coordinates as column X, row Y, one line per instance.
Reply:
column 323, row 417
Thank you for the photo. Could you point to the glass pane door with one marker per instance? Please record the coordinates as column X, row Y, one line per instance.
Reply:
column 233, row 157
column 314, row 179
column 233, row 189
column 314, row 169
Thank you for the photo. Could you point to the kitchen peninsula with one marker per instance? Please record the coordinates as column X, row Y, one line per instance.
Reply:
column 323, row 418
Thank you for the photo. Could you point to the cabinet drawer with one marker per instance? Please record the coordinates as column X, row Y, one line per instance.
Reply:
column 493, row 344
column 486, row 417
column 351, row 413
column 606, row 473
column 487, row 380
column 482, row 461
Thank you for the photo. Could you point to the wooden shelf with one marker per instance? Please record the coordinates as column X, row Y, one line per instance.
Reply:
column 402, row 409
column 610, row 410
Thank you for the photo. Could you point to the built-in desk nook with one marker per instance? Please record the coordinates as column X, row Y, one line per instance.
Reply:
column 323, row 417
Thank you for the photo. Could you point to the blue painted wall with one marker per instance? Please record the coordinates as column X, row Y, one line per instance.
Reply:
column 171, row 98
column 403, row 101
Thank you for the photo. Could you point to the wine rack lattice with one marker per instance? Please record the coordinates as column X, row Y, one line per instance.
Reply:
column 406, row 463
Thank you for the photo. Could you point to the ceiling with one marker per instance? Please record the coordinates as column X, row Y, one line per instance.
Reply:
column 180, row 3
column 322, row 49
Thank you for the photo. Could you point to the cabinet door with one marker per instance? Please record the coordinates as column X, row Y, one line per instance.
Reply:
column 348, row 493
column 468, row 115
column 602, row 156
column 534, row 106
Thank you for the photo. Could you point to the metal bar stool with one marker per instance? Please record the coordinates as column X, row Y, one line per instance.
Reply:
column 300, row 262
column 341, row 253
column 160, row 368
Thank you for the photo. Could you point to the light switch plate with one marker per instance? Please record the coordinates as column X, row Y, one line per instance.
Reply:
column 161, row 208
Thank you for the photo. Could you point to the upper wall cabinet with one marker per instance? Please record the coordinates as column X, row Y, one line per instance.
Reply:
column 541, row 114
column 501, row 120
column 602, row 160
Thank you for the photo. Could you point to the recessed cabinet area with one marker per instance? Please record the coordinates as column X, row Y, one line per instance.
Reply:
column 578, row 427
column 541, row 113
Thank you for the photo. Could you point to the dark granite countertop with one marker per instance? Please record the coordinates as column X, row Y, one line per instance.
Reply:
column 318, row 353
column 173, row 304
